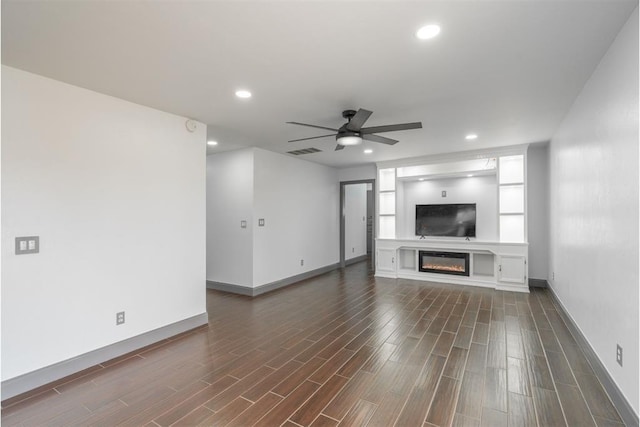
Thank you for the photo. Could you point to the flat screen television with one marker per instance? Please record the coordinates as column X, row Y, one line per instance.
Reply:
column 454, row 220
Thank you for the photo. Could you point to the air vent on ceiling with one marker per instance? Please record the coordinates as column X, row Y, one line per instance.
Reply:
column 304, row 151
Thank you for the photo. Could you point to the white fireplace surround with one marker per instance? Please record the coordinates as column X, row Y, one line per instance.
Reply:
column 494, row 265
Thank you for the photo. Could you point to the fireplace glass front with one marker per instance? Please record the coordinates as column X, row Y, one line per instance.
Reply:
column 456, row 263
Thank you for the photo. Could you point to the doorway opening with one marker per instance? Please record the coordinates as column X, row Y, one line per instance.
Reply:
column 357, row 226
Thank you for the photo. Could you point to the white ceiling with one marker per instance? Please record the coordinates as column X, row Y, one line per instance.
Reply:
column 506, row 70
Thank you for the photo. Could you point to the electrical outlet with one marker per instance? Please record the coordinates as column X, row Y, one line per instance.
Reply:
column 301, row 262
column 553, row 276
column 619, row 354
column 444, row 193
column 120, row 318
column 353, row 250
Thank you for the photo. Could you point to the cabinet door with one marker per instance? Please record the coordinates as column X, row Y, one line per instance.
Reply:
column 386, row 260
column 512, row 268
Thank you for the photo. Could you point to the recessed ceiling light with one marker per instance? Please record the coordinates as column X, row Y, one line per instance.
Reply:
column 421, row 179
column 470, row 175
column 471, row 136
column 243, row 93
column 428, row 32
column 368, row 151
column 212, row 142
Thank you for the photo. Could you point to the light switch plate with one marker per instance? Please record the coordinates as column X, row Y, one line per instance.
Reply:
column 261, row 222
column 243, row 224
column 27, row 245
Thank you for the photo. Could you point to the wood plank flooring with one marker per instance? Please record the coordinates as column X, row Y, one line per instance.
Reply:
column 341, row 349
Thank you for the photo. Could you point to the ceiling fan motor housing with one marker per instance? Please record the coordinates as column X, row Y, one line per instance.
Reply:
column 348, row 114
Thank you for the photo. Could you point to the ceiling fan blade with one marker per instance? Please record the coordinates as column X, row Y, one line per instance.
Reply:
column 391, row 128
column 312, row 126
column 339, row 147
column 382, row 139
column 358, row 120
column 312, row 137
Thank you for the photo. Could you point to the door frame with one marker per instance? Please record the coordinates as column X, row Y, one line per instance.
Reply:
column 342, row 219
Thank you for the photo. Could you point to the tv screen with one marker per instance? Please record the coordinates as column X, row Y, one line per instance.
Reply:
column 455, row 220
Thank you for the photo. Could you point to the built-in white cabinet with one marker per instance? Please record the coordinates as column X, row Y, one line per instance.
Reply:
column 491, row 264
column 512, row 269
column 386, row 260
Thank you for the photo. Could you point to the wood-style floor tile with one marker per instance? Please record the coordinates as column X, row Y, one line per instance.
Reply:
column 521, row 411
column 312, row 407
column 256, row 411
column 444, row 401
column 548, row 410
column 463, row 421
column 495, row 389
column 493, row 418
column 359, row 415
column 344, row 348
column 596, row 397
column 471, row 395
column 575, row 408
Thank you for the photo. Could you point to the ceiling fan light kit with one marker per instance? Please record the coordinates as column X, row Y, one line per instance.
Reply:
column 352, row 132
column 349, row 139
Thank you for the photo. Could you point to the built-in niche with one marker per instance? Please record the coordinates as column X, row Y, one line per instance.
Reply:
column 480, row 190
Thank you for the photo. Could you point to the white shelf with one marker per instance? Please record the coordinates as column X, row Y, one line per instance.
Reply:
column 512, row 228
column 387, row 205
column 511, row 169
column 387, row 225
column 387, row 179
column 511, row 199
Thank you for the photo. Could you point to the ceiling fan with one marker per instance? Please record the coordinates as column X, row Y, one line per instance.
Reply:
column 352, row 132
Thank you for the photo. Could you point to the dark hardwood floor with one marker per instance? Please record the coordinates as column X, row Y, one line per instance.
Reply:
column 344, row 348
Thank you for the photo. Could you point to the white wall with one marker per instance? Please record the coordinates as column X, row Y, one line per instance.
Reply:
column 538, row 210
column 594, row 209
column 355, row 220
column 299, row 201
column 116, row 192
column 481, row 190
column 230, row 201
column 357, row 173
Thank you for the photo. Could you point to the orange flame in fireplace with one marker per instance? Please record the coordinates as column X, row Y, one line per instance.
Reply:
column 456, row 268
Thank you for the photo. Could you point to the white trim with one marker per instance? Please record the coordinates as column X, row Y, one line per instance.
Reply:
column 460, row 155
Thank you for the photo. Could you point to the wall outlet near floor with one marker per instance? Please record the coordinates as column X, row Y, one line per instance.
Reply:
column 619, row 354
column 353, row 250
column 119, row 318
column 553, row 276
column 301, row 262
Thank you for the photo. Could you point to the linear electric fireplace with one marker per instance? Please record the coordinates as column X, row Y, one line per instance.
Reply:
column 444, row 262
